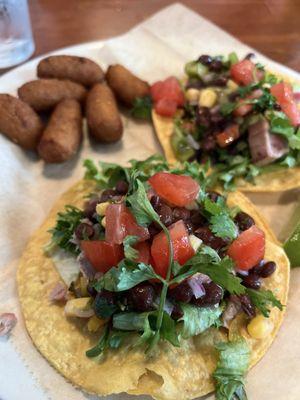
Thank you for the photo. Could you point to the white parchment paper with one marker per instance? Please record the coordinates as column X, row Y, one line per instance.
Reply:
column 155, row 49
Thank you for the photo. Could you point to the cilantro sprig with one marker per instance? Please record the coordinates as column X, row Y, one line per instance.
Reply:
column 63, row 231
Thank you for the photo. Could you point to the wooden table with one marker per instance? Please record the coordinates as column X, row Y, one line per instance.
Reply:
column 270, row 26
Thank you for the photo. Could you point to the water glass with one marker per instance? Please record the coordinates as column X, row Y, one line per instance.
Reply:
column 16, row 42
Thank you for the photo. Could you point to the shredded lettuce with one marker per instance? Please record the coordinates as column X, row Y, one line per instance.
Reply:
column 234, row 358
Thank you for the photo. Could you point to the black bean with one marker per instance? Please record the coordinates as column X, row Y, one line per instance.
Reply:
column 217, row 119
column 244, row 221
column 268, row 269
column 182, row 292
column 209, row 143
column 90, row 289
column 165, row 214
column 216, row 65
column 181, row 213
column 189, row 226
column 220, row 81
column 84, row 231
column 233, row 96
column 203, row 117
column 197, row 219
column 122, row 187
column 208, row 238
column 247, row 306
column 251, row 281
column 277, row 107
column 214, row 196
column 194, row 84
column 103, row 298
column 107, row 194
column 90, row 208
column 205, row 59
column 213, row 295
column 154, row 229
column 177, row 312
column 142, row 297
column 155, row 202
column 257, row 268
column 249, row 56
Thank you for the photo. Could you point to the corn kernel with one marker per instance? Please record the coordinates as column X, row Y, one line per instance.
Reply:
column 101, row 208
column 232, row 85
column 80, row 307
column 83, row 286
column 195, row 242
column 95, row 323
column 103, row 222
column 259, row 327
column 208, row 98
column 192, row 95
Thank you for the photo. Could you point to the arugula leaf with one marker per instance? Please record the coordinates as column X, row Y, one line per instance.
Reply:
column 282, row 126
column 110, row 338
column 234, row 358
column 142, row 107
column 130, row 321
column 168, row 330
column 263, row 300
column 63, row 231
column 101, row 345
column 107, row 175
column 116, row 339
column 131, row 254
column 126, row 276
column 141, row 206
column 197, row 319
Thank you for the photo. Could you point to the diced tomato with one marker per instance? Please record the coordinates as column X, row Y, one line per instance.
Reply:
column 230, row 134
column 243, row 72
column 248, row 249
column 179, row 190
column 144, row 252
column 245, row 108
column 182, row 248
column 283, row 92
column 101, row 254
column 120, row 223
column 165, row 107
column 167, row 95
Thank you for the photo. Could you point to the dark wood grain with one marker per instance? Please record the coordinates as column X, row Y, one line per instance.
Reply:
column 270, row 26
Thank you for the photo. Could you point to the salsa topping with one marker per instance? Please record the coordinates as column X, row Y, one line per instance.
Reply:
column 171, row 260
column 235, row 114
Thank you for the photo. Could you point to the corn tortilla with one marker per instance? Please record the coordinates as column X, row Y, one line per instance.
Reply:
column 173, row 373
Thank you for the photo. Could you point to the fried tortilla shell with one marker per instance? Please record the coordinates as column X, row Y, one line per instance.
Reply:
column 172, row 373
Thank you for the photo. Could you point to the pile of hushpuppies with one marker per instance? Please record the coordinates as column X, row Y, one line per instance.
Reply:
column 48, row 114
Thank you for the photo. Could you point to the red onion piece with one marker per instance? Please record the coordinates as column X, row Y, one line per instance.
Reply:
column 58, row 292
column 86, row 267
column 168, row 307
column 7, row 322
column 196, row 284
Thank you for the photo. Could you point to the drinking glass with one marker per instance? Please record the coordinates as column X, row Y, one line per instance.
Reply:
column 16, row 42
